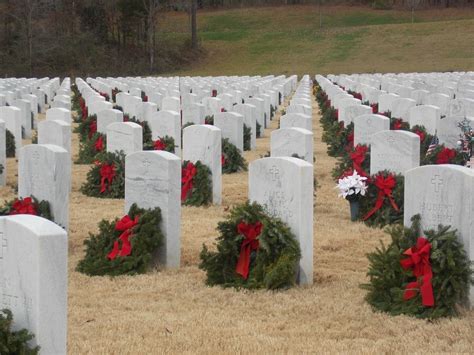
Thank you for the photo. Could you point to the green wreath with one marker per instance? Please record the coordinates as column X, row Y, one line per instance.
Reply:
column 258, row 132
column 14, row 342
column 387, row 214
column 27, row 205
column 209, row 120
column 143, row 237
column 345, row 164
column 165, row 143
column 10, row 144
column 247, row 137
column 87, row 128
column 106, row 179
column 232, row 159
column 450, row 265
column 196, row 184
column 90, row 148
column 272, row 259
column 1, row 169
column 443, row 155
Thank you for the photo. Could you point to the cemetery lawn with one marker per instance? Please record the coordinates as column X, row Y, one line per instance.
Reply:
column 175, row 312
column 288, row 40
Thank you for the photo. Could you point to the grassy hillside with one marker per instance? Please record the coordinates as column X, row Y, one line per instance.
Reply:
column 289, row 40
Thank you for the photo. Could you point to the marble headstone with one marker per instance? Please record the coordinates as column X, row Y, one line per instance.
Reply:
column 124, row 136
column 366, row 125
column 286, row 142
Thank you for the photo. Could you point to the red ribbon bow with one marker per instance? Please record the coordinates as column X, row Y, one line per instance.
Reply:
column 358, row 157
column 124, row 225
column 159, row 145
column 23, row 206
column 375, row 108
column 445, row 156
column 92, row 128
column 250, row 232
column 385, row 186
column 187, row 176
column 419, row 260
column 99, row 144
column 107, row 174
column 420, row 134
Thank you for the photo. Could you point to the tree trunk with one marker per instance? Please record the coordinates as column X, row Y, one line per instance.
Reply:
column 194, row 40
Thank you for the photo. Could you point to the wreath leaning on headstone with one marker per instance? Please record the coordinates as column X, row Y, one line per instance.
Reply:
column 10, row 144
column 232, row 159
column 383, row 202
column 254, row 251
column 421, row 274
column 165, row 143
column 196, row 184
column 90, row 148
column 247, row 137
column 27, row 205
column 124, row 246
column 14, row 342
column 106, row 179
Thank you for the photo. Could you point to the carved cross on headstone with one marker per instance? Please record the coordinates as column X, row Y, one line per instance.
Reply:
column 437, row 182
column 146, row 165
column 275, row 173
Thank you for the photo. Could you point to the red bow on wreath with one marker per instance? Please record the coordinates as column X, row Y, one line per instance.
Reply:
column 92, row 128
column 398, row 124
column 250, row 232
column 385, row 186
column 124, row 225
column 375, row 108
column 420, row 134
column 99, row 144
column 358, row 157
column 23, row 206
column 419, row 260
column 159, row 145
column 107, row 174
column 187, row 176
column 445, row 156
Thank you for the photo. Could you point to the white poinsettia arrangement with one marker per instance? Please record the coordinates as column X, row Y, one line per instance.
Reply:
column 352, row 186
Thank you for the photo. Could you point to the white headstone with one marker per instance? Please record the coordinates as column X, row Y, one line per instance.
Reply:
column 366, row 125
column 33, row 279
column 203, row 142
column 171, row 104
column 55, row 132
column 153, row 179
column 425, row 115
column 59, row 114
column 167, row 123
column 194, row 113
column 124, row 136
column 442, row 194
column 296, row 120
column 396, row 151
column 44, row 171
column 285, row 142
column 248, row 112
column 25, row 108
column 106, row 117
column 284, row 186
column 12, row 118
column 232, row 126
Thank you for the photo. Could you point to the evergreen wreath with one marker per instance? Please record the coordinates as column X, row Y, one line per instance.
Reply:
column 247, row 137
column 243, row 261
column 232, row 159
column 1, row 169
column 14, row 342
column 106, row 179
column 443, row 155
column 196, row 184
column 10, row 144
column 209, row 120
column 27, row 205
column 339, row 139
column 399, row 124
column 258, row 130
column 165, row 143
column 124, row 246
column 431, row 289
column 425, row 138
column 357, row 159
column 87, row 128
column 147, row 140
column 90, row 148
column 383, row 202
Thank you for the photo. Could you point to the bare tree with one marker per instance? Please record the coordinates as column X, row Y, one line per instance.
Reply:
column 151, row 10
column 194, row 39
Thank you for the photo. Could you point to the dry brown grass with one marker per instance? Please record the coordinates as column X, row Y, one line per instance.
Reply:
column 173, row 311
